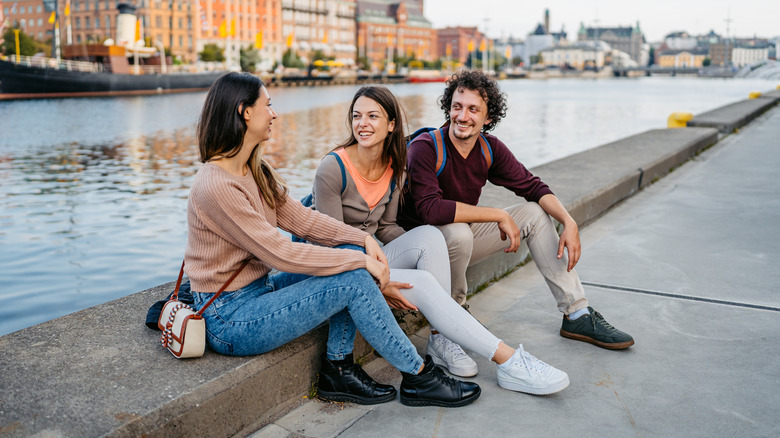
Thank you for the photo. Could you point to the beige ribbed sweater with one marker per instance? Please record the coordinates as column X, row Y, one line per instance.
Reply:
column 229, row 222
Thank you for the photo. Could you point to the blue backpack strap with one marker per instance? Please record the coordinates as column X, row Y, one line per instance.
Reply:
column 392, row 189
column 441, row 150
column 487, row 151
column 343, row 171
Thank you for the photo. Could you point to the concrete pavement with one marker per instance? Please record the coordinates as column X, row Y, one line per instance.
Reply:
column 687, row 266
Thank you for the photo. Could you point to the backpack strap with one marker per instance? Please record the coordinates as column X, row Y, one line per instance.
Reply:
column 441, row 150
column 487, row 151
column 392, row 189
column 343, row 171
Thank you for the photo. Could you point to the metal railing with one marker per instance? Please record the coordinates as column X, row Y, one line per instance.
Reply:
column 56, row 64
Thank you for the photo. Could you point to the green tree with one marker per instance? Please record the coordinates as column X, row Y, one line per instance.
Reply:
column 291, row 60
column 651, row 57
column 249, row 57
column 320, row 55
column 212, row 53
column 27, row 46
column 706, row 62
column 363, row 63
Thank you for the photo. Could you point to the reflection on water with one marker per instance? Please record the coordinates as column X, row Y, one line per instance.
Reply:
column 93, row 191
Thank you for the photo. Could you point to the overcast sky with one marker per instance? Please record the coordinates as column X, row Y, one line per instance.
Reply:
column 656, row 18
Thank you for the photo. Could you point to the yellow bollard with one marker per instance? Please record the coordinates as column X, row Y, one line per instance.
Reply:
column 754, row 95
column 678, row 120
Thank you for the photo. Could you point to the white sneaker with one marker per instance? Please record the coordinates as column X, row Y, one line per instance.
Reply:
column 525, row 373
column 449, row 355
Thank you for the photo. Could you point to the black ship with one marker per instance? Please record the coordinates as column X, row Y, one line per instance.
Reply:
column 126, row 67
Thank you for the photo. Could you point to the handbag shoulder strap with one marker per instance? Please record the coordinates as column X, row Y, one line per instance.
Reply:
column 224, row 286
column 216, row 295
column 178, row 282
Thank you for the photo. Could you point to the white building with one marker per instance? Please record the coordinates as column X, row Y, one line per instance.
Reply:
column 579, row 56
column 747, row 55
column 536, row 42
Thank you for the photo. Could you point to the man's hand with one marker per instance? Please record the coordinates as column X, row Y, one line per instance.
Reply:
column 508, row 228
column 570, row 239
column 394, row 297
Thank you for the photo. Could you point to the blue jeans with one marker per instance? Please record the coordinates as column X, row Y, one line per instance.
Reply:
column 276, row 309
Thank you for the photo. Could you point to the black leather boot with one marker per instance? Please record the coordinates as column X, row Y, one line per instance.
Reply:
column 345, row 381
column 432, row 387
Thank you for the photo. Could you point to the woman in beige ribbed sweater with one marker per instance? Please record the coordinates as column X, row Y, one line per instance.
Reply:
column 236, row 203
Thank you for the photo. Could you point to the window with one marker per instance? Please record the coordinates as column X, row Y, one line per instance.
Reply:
column 86, row 22
column 40, row 22
column 22, row 23
column 97, row 22
column 39, row 8
column 78, row 23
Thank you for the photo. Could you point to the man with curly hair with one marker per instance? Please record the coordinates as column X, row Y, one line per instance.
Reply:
column 473, row 105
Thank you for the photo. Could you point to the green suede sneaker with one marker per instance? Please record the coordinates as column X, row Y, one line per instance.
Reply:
column 596, row 330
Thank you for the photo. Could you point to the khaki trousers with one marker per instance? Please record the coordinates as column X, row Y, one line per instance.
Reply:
column 469, row 244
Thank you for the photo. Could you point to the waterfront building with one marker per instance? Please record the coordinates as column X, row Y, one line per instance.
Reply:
column 511, row 48
column 536, row 42
column 748, row 53
column 327, row 26
column 31, row 16
column 456, row 43
column 720, row 53
column 541, row 39
column 583, row 55
column 626, row 39
column 386, row 28
column 682, row 58
column 237, row 24
column 680, row 41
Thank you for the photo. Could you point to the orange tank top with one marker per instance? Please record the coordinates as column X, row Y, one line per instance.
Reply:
column 371, row 191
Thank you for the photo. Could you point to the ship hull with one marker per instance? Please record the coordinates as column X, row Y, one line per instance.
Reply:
column 19, row 81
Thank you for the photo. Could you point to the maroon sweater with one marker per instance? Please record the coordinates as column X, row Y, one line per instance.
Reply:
column 431, row 200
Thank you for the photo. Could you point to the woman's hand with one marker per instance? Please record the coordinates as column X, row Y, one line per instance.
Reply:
column 380, row 271
column 395, row 298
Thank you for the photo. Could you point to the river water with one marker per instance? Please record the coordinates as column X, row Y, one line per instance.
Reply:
column 93, row 192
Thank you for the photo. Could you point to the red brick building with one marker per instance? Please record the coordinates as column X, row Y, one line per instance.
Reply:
column 387, row 28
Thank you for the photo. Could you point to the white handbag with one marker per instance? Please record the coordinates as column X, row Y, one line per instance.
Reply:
column 184, row 329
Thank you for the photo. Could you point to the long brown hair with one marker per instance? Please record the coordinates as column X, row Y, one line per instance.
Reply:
column 221, row 129
column 395, row 143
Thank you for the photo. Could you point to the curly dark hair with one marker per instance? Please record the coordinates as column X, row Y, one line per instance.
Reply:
column 476, row 80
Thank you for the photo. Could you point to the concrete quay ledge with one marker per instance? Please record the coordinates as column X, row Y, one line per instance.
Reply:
column 101, row 372
column 731, row 117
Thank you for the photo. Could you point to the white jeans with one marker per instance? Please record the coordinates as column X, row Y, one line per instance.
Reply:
column 420, row 257
column 472, row 243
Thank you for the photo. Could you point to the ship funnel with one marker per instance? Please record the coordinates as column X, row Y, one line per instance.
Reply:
column 126, row 24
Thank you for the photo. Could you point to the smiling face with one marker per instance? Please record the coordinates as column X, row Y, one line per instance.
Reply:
column 468, row 114
column 259, row 117
column 370, row 124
